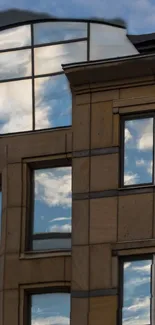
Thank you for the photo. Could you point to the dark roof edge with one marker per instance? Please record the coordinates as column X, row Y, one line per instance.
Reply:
column 16, row 17
column 136, row 39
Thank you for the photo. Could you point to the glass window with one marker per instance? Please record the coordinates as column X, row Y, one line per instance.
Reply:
column 136, row 292
column 52, row 243
column 15, row 106
column 48, row 59
column 50, row 308
column 15, row 37
column 109, row 41
column 52, row 208
column 15, row 64
column 138, row 151
column 58, row 31
column 53, row 102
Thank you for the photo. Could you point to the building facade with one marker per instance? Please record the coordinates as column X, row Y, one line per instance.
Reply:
column 77, row 174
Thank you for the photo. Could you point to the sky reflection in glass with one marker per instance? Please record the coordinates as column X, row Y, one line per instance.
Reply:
column 109, row 41
column 52, row 205
column 15, row 106
column 55, row 109
column 138, row 151
column 58, row 31
column 50, row 308
column 52, row 243
column 48, row 59
column 16, row 64
column 137, row 284
column 15, row 37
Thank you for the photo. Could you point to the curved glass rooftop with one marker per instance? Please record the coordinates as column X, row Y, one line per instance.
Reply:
column 34, row 92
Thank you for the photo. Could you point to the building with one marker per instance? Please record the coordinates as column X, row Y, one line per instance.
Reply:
column 85, row 257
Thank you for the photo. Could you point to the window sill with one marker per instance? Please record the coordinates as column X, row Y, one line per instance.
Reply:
column 137, row 189
column 136, row 186
column 43, row 254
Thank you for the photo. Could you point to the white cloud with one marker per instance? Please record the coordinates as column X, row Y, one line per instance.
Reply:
column 54, row 189
column 140, row 162
column 128, row 135
column 139, row 303
column 126, row 265
column 60, row 219
column 63, row 228
column 145, row 142
column 15, row 37
column 53, row 320
column 48, row 59
column 141, row 307
column 130, row 178
column 16, row 107
column 137, row 281
column 146, row 164
column 16, row 97
column 145, row 134
column 144, row 268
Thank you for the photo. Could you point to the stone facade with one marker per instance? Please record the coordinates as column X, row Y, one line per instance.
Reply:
column 108, row 222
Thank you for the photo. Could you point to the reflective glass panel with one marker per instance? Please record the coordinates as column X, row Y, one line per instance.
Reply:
column 52, row 204
column 16, row 106
column 52, row 102
column 58, row 31
column 109, row 41
column 15, row 37
column 138, row 151
column 53, row 243
column 49, row 59
column 15, row 64
column 136, row 297
column 50, row 308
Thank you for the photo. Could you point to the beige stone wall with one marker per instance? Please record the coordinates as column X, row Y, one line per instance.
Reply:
column 18, row 268
column 108, row 222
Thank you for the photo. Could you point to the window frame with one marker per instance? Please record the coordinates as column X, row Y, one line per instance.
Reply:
column 122, row 260
column 42, row 290
column 30, row 237
column 33, row 76
column 128, row 117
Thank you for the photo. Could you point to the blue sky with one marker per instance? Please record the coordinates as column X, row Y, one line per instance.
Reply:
column 137, row 284
column 138, row 155
column 139, row 14
column 51, row 309
column 52, row 206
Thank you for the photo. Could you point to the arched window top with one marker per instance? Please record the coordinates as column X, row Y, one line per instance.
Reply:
column 34, row 92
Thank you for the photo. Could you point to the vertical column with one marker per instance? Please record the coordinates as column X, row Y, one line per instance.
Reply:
column 103, row 210
column 13, row 202
column 80, row 232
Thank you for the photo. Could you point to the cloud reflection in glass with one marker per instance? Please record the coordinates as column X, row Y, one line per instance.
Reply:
column 58, row 31
column 138, row 151
column 50, row 308
column 53, row 108
column 137, row 295
column 52, row 206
